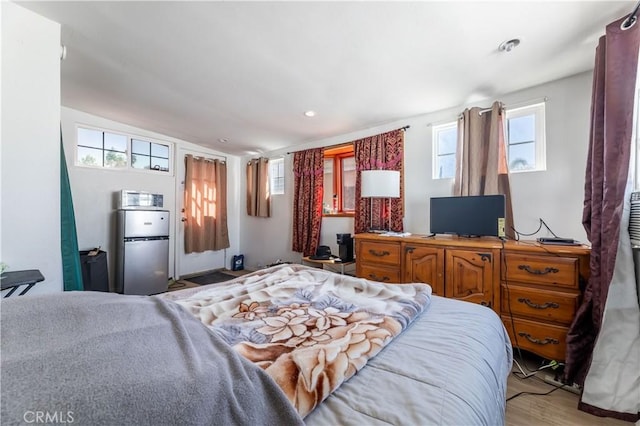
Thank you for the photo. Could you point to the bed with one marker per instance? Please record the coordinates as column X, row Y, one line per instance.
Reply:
column 285, row 345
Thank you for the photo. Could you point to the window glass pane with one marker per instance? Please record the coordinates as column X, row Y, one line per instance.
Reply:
column 140, row 161
column 89, row 137
column 522, row 129
column 447, row 140
column 140, row 147
column 349, row 184
column 522, row 156
column 327, row 199
column 115, row 142
column 161, row 164
column 89, row 156
column 276, row 175
column 159, row 150
column 446, row 166
column 114, row 159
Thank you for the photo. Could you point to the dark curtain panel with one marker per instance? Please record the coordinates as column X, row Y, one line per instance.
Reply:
column 379, row 152
column 481, row 158
column 205, row 205
column 308, row 172
column 258, row 196
column 614, row 81
column 71, row 267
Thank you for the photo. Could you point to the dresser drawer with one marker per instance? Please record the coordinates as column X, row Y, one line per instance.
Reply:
column 549, row 270
column 548, row 341
column 379, row 273
column 536, row 303
column 379, row 253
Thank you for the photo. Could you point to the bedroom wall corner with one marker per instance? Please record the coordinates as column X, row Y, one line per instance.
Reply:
column 30, row 149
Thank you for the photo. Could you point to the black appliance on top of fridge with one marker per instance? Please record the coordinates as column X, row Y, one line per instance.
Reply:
column 142, row 256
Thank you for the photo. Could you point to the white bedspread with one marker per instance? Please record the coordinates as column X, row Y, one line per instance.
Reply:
column 450, row 367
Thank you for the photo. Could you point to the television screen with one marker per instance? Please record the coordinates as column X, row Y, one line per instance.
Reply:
column 478, row 215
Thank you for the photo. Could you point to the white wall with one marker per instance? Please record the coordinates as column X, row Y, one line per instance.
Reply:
column 555, row 195
column 94, row 189
column 30, row 150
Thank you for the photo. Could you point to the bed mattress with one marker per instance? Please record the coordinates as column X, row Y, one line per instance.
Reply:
column 450, row 367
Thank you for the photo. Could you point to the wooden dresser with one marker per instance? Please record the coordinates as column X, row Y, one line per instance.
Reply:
column 541, row 290
column 534, row 288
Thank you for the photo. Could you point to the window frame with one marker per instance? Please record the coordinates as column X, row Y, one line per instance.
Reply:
column 435, row 131
column 128, row 153
column 338, row 154
column 539, row 111
column 274, row 162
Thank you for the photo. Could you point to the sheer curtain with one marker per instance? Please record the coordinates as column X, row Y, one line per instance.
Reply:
column 481, row 158
column 603, row 343
column 205, row 205
column 258, row 196
column 308, row 172
column 380, row 152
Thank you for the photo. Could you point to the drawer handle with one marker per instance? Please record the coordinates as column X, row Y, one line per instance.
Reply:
column 547, row 305
column 538, row 341
column 546, row 271
column 487, row 304
column 379, row 253
column 374, row 277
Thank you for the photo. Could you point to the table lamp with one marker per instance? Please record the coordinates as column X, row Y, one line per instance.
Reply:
column 380, row 184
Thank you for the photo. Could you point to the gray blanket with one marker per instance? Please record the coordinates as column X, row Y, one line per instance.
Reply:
column 106, row 359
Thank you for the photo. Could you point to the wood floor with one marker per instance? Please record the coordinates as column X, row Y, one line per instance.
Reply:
column 558, row 408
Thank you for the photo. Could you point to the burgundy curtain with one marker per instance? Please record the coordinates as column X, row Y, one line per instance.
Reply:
column 481, row 158
column 380, row 152
column 308, row 171
column 612, row 103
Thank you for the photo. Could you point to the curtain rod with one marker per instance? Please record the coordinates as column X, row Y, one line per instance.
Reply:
column 514, row 106
column 631, row 19
column 401, row 128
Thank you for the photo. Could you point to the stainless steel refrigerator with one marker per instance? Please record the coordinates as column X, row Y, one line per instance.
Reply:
column 142, row 265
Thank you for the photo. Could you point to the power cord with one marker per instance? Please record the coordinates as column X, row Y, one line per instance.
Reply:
column 555, row 388
column 540, row 225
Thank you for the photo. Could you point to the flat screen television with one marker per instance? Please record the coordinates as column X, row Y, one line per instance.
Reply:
column 473, row 216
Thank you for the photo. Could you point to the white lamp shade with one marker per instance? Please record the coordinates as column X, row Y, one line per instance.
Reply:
column 380, row 183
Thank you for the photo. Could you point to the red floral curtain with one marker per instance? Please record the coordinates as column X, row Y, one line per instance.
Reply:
column 380, row 152
column 308, row 171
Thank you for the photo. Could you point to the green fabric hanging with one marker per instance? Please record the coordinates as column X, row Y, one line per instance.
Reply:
column 71, row 268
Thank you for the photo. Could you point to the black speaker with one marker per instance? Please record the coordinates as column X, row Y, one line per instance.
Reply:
column 345, row 247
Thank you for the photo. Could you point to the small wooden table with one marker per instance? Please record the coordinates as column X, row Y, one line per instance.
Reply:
column 15, row 279
column 333, row 262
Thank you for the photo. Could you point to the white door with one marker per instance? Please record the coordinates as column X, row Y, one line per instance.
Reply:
column 192, row 263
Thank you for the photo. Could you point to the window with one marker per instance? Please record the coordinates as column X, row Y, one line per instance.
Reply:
column 100, row 148
column 149, row 155
column 276, row 176
column 445, row 139
column 525, row 138
column 339, row 181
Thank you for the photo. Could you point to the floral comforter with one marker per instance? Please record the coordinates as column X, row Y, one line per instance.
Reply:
column 309, row 329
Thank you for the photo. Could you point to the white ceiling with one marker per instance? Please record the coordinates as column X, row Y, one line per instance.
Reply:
column 247, row 71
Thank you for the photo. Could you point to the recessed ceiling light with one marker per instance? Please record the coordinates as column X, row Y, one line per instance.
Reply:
column 509, row 45
column 310, row 113
column 223, row 140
